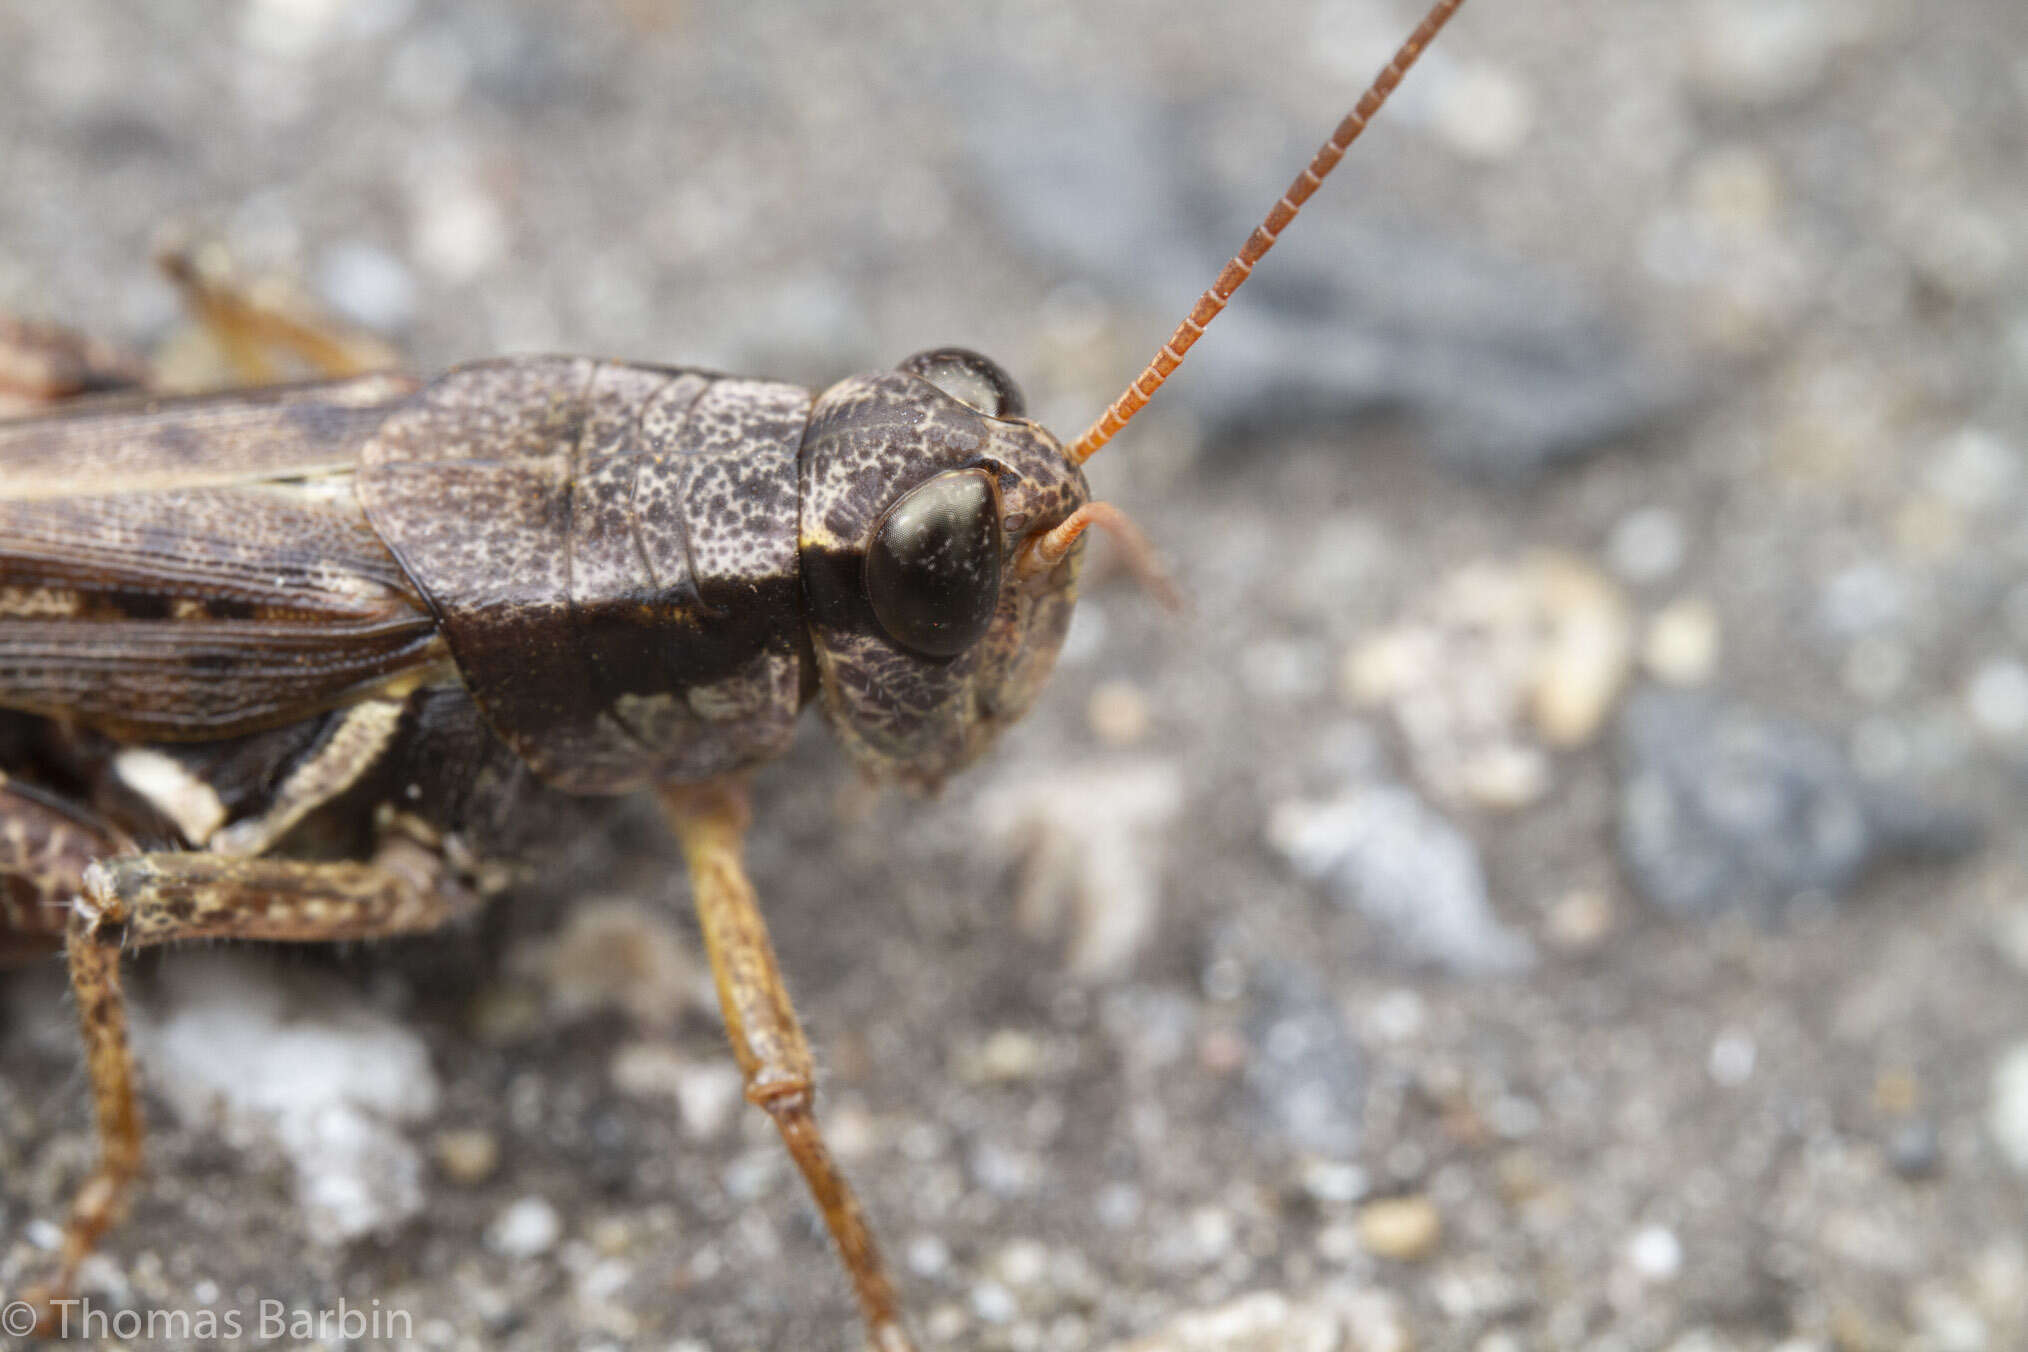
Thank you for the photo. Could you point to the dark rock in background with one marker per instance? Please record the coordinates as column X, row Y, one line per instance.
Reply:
column 1725, row 807
column 1510, row 369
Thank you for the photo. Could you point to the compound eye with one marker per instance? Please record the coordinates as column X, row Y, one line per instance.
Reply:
column 933, row 574
column 969, row 378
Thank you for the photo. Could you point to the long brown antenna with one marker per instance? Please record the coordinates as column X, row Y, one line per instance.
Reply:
column 1263, row 238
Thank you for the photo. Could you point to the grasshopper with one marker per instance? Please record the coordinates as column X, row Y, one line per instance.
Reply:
column 290, row 664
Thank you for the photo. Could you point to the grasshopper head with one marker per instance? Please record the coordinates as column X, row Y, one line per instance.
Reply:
column 936, row 608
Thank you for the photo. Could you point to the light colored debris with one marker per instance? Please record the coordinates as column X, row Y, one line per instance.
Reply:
column 615, row 955
column 528, row 1228
column 468, row 1155
column 332, row 1079
column 2007, row 1110
column 1335, row 1319
column 1681, row 646
column 1498, row 662
column 1407, row 868
column 1405, row 1229
column 1091, row 847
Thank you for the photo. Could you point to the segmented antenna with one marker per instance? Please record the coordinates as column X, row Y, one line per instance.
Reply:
column 1263, row 238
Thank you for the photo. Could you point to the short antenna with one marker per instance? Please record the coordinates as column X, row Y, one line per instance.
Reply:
column 1263, row 238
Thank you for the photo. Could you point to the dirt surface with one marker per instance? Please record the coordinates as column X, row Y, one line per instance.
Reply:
column 1420, row 944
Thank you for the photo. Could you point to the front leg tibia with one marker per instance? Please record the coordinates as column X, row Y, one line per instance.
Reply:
column 710, row 820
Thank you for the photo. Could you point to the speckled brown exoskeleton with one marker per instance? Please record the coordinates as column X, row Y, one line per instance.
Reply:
column 290, row 664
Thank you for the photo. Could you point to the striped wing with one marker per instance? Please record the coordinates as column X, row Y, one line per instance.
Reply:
column 191, row 569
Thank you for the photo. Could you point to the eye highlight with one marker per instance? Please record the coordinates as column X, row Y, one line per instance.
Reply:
column 933, row 571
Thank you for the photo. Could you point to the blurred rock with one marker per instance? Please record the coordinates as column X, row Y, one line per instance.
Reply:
column 1646, row 546
column 615, row 955
column 468, row 1155
column 367, row 285
column 526, row 1229
column 1382, row 851
column 1756, row 52
column 1483, row 111
column 333, row 1079
column 1305, row 1075
column 2007, row 1107
column 1091, row 844
column 1264, row 1321
column 1511, row 370
column 1579, row 920
column 1997, row 699
column 1913, row 1149
column 1724, row 807
column 1494, row 655
column 1654, row 1253
column 1975, row 471
column 1405, row 1229
column 1681, row 647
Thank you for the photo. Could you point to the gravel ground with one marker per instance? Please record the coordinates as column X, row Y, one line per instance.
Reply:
column 1555, row 890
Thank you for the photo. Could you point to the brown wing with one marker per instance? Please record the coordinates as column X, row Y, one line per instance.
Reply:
column 142, row 444
column 171, row 594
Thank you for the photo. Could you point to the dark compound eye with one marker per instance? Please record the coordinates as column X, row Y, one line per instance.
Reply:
column 970, row 379
column 933, row 574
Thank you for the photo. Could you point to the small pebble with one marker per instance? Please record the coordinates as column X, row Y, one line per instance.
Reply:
column 1998, row 698
column 928, row 1256
column 1580, row 920
column 1732, row 1058
column 1585, row 653
column 1261, row 1321
column 993, row 1303
column 1405, row 1229
column 367, row 285
column 1118, row 713
column 1092, row 844
column 1334, row 1181
column 708, row 1096
column 1682, row 643
column 1646, row 546
column 526, row 1229
column 1483, row 111
column 2007, row 1110
column 1021, row 1264
column 614, row 954
column 646, row 1069
column 1913, row 1150
column 467, row 1155
column 1655, row 1253
column 1974, row 471
column 1007, row 1056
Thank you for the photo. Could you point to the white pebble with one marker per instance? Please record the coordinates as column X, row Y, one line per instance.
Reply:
column 1682, row 643
column 1483, row 111
column 993, row 1303
column 2007, row 1113
column 1655, row 1253
column 1732, row 1057
column 368, row 285
column 1998, row 697
column 525, row 1229
column 1974, row 470
column 1646, row 545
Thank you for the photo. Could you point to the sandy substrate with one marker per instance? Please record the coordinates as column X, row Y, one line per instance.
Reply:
column 1389, row 954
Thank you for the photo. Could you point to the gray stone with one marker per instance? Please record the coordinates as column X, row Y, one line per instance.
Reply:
column 1723, row 806
column 1305, row 1076
column 1510, row 370
column 1384, row 852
